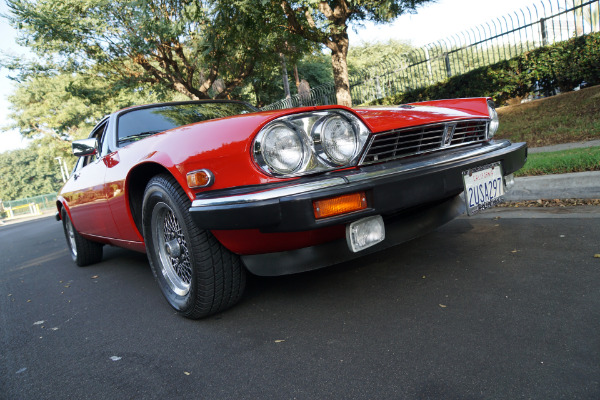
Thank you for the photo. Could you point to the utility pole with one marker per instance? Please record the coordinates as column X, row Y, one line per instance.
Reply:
column 286, row 83
column 66, row 168
column 60, row 166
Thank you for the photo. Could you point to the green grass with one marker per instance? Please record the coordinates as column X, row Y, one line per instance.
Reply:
column 561, row 162
column 568, row 117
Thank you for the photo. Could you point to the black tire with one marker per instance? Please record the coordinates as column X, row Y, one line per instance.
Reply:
column 83, row 251
column 196, row 274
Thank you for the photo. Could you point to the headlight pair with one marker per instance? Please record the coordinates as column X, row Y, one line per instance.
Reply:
column 312, row 142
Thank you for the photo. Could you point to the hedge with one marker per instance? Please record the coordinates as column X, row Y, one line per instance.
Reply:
column 563, row 65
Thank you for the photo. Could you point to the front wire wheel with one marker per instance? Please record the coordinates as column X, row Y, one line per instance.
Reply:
column 196, row 274
column 172, row 248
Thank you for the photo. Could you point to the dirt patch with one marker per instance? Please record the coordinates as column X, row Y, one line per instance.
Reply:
column 551, row 203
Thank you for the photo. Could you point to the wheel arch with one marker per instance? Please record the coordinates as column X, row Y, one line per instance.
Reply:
column 59, row 207
column 61, row 204
column 135, row 185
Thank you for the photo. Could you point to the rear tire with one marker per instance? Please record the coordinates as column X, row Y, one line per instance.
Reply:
column 83, row 251
column 196, row 274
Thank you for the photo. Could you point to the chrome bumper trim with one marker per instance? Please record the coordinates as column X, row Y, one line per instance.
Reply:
column 270, row 194
column 352, row 177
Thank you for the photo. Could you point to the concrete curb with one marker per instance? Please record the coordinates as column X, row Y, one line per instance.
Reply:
column 579, row 185
column 564, row 146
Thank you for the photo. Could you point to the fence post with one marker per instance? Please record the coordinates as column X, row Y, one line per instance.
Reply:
column 428, row 63
column 378, row 93
column 447, row 62
column 544, row 31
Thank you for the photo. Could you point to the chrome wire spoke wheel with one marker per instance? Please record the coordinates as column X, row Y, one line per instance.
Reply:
column 172, row 247
column 195, row 273
column 71, row 237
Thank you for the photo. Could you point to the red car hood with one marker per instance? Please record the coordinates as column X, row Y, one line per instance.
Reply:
column 381, row 119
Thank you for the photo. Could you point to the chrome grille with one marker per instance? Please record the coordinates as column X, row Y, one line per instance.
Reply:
column 406, row 142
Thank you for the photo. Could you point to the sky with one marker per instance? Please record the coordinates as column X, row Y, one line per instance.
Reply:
column 432, row 22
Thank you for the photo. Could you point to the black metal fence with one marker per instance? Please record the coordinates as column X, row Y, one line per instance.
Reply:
column 541, row 24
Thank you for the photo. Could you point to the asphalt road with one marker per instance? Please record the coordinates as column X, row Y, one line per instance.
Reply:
column 483, row 308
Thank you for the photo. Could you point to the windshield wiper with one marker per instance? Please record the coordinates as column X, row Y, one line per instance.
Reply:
column 137, row 136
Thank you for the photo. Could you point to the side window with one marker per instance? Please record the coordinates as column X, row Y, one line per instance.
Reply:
column 79, row 164
column 98, row 134
column 105, row 142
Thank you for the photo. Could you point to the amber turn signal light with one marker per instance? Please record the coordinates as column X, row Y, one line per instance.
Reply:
column 200, row 178
column 340, row 205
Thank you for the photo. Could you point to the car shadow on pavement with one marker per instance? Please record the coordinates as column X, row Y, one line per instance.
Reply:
column 407, row 262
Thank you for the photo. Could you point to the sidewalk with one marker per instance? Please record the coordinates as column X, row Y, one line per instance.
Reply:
column 25, row 218
column 579, row 185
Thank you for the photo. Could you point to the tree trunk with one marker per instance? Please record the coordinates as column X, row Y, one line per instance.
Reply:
column 296, row 76
column 335, row 37
column 339, row 53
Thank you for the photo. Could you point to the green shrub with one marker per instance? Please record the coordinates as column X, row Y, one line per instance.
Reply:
column 562, row 65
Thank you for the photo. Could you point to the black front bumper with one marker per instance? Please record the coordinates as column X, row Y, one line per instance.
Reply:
column 390, row 188
column 398, row 229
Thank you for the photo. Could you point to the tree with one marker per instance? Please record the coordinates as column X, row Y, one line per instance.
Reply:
column 55, row 109
column 97, row 56
column 368, row 55
column 199, row 48
column 327, row 22
column 315, row 68
column 66, row 106
column 24, row 174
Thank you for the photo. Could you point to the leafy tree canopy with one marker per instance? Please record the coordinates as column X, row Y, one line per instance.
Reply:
column 55, row 109
column 23, row 173
column 97, row 56
column 199, row 48
column 368, row 55
column 67, row 106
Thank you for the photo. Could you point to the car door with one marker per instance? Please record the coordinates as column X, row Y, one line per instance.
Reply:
column 85, row 192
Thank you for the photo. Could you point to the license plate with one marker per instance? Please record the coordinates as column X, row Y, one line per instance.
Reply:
column 484, row 187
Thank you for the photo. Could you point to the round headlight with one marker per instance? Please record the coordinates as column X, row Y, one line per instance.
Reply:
column 495, row 121
column 339, row 139
column 282, row 149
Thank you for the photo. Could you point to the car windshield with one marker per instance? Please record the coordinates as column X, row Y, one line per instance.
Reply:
column 140, row 123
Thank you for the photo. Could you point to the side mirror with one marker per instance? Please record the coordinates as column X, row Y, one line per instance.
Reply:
column 85, row 147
